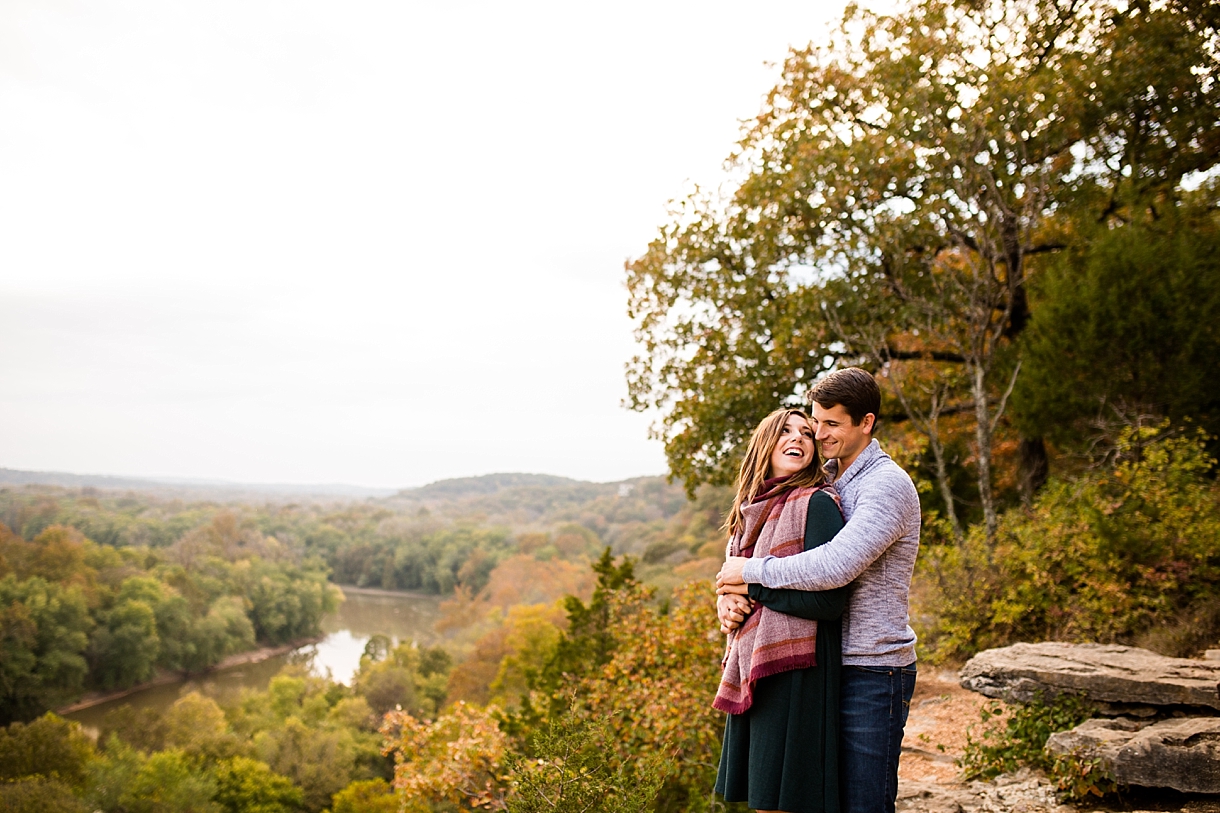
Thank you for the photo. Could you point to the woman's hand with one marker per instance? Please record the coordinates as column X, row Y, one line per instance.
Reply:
column 733, row 590
column 732, row 609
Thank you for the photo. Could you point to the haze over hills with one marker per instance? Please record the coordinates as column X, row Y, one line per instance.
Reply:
column 455, row 489
column 217, row 489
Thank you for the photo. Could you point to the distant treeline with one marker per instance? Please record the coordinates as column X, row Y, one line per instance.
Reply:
column 78, row 615
column 98, row 589
column 430, row 539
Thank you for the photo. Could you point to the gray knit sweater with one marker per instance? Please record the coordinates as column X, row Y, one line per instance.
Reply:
column 876, row 550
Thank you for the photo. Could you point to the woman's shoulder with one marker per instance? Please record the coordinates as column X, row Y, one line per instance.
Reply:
column 823, row 494
column 824, row 502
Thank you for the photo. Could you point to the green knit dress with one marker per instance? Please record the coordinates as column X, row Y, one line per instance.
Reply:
column 783, row 752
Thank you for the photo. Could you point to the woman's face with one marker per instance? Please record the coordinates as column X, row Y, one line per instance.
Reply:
column 794, row 450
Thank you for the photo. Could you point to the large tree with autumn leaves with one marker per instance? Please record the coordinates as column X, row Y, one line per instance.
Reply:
column 907, row 193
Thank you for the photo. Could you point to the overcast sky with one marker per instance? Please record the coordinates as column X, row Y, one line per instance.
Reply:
column 370, row 242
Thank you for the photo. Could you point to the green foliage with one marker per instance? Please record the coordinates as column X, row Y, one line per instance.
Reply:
column 125, row 646
column 170, row 782
column 245, row 785
column 1080, row 777
column 368, row 796
column 573, row 772
column 77, row 615
column 287, row 602
column 1106, row 557
column 1014, row 737
column 112, row 774
column 641, row 671
column 194, row 724
column 587, row 644
column 313, row 735
column 43, row 635
column 1126, row 329
column 197, row 726
column 39, row 795
column 407, row 678
column 50, row 747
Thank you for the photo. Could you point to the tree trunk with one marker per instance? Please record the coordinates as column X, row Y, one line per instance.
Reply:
column 1033, row 467
column 982, row 420
column 942, row 481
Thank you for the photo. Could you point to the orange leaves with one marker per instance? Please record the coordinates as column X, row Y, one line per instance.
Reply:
column 458, row 759
column 657, row 688
column 525, row 580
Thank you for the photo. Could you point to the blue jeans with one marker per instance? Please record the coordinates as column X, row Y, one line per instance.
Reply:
column 872, row 715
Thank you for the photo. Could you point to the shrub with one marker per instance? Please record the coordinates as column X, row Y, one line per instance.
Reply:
column 1106, row 557
column 574, row 773
column 1015, row 736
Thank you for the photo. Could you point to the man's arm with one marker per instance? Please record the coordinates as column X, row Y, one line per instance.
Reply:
column 881, row 516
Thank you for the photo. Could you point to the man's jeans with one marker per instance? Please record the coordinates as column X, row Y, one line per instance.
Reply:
column 872, row 713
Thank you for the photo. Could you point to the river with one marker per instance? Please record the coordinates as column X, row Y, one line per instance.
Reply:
column 365, row 613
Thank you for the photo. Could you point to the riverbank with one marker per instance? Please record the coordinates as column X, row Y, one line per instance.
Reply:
column 380, row 591
column 166, row 677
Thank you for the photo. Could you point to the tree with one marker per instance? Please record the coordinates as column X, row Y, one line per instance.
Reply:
column 43, row 634
column 170, row 782
column 569, row 776
column 246, row 785
column 125, row 647
column 655, row 691
column 1126, row 333
column 39, row 795
column 225, row 629
column 366, row 796
column 49, row 747
column 587, row 644
column 318, row 758
column 197, row 725
column 287, row 602
column 891, row 202
column 459, row 759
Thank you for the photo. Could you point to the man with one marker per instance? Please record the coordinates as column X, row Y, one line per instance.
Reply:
column 876, row 550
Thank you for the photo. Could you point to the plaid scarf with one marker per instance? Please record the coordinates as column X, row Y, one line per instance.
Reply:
column 768, row 642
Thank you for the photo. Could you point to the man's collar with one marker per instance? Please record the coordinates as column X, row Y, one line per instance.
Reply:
column 867, row 455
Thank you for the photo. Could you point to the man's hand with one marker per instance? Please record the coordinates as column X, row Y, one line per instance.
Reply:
column 729, row 577
column 732, row 611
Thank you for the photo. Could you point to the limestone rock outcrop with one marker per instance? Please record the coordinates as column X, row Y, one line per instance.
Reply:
column 1105, row 673
column 1183, row 753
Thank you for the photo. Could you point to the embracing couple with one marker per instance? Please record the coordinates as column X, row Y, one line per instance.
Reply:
column 813, row 596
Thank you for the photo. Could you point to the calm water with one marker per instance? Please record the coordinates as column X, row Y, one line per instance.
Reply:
column 400, row 616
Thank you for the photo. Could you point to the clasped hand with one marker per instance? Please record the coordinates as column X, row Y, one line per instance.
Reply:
column 732, row 609
column 732, row 595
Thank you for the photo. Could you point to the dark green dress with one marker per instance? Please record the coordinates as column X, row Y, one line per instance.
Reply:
column 783, row 753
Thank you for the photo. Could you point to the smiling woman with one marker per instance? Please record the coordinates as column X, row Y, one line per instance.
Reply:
column 795, row 449
column 782, row 667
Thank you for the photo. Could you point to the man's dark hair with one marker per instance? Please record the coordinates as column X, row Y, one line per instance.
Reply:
column 852, row 387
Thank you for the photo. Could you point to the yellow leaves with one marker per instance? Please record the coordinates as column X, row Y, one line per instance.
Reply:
column 657, row 688
column 1108, row 557
column 460, row 758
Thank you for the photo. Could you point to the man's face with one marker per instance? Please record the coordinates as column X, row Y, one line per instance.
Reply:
column 838, row 438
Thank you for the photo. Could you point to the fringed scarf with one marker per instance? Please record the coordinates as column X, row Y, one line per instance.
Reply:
column 768, row 642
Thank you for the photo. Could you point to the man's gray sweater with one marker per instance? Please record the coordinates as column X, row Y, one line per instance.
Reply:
column 876, row 550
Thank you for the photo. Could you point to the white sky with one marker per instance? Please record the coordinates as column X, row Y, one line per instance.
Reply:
column 370, row 242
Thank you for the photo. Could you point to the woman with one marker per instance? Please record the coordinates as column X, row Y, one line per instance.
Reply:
column 782, row 666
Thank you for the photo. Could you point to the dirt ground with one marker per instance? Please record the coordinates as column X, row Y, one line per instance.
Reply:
column 941, row 713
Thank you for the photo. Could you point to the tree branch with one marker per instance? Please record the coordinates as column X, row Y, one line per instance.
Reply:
column 924, row 355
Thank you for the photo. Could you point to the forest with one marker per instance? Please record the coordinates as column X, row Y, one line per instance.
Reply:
column 1006, row 211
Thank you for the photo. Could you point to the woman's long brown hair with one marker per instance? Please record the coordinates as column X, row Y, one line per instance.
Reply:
column 756, row 465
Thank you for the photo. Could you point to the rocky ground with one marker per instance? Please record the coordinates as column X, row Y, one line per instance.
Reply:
column 929, row 780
